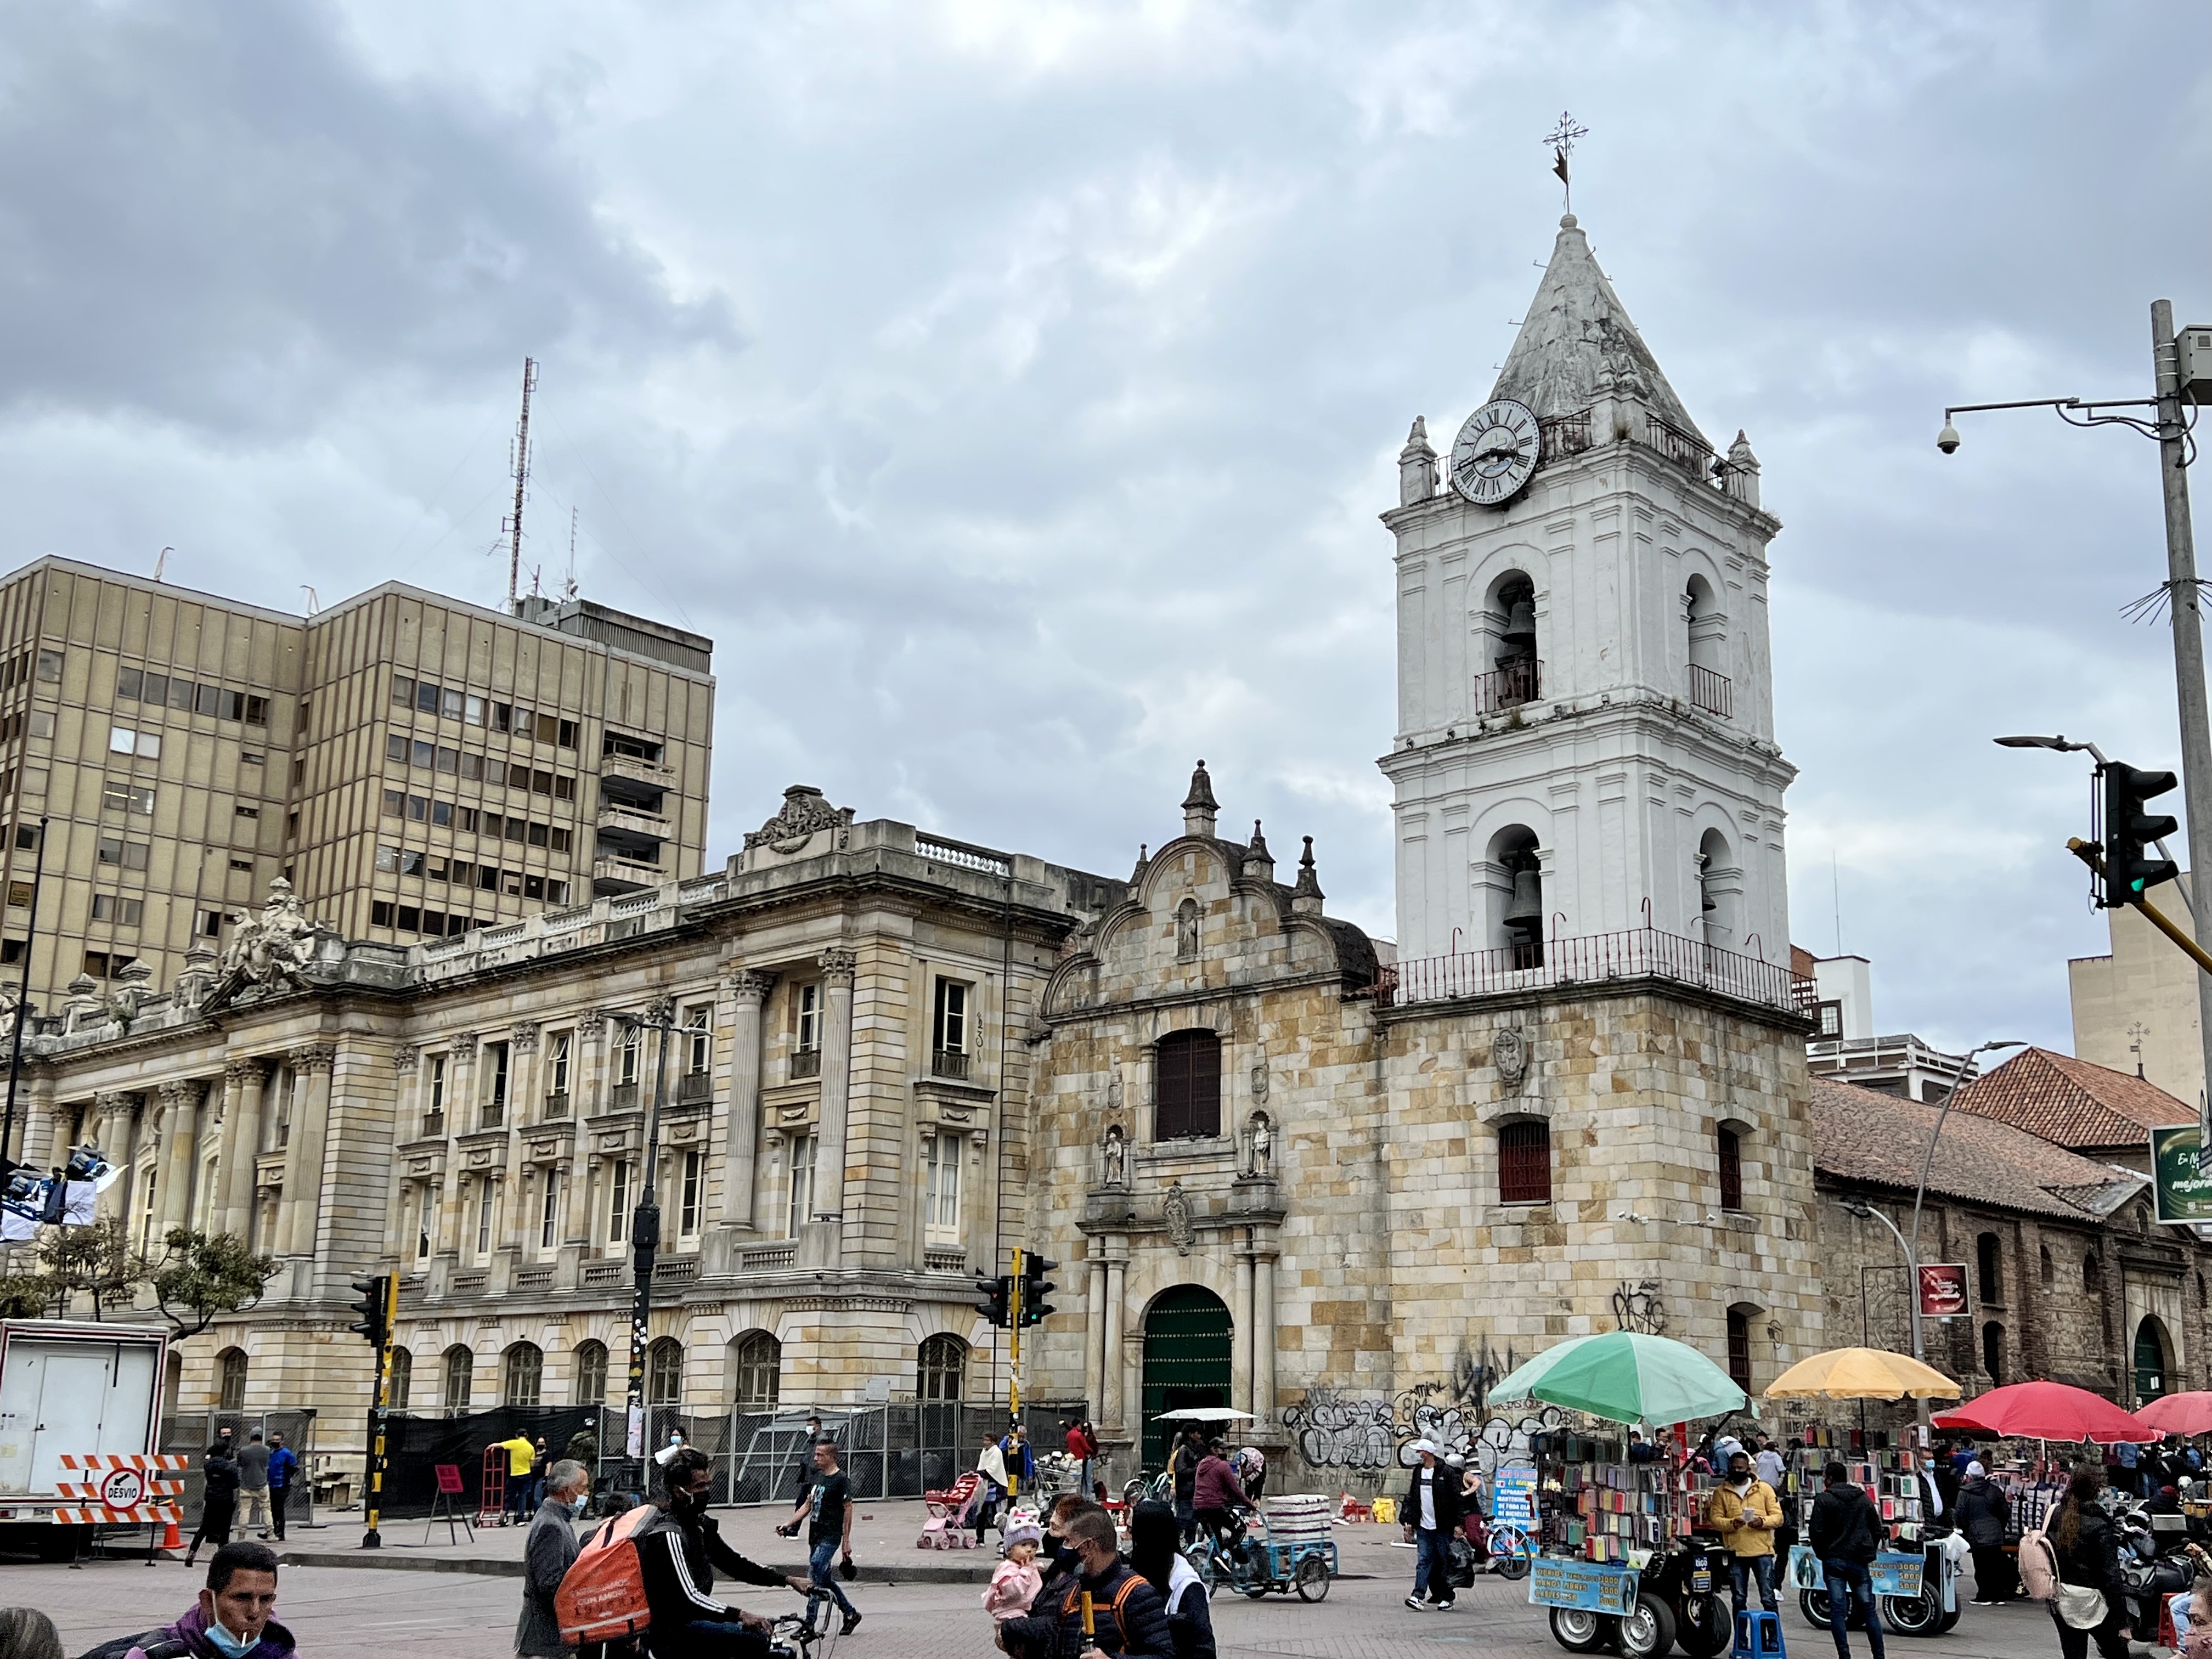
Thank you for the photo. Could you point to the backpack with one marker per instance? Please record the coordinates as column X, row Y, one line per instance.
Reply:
column 602, row 1595
column 2038, row 1566
column 1073, row 1597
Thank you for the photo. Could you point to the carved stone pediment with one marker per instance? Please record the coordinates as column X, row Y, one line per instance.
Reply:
column 805, row 812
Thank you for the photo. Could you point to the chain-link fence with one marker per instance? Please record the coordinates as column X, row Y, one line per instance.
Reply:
column 192, row 1432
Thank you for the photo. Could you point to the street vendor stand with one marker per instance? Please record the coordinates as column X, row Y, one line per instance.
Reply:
column 1620, row 1562
column 1915, row 1578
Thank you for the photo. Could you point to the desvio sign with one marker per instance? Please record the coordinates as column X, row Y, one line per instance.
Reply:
column 1942, row 1290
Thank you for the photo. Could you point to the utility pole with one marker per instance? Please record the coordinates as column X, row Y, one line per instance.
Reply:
column 2188, row 664
column 22, row 1001
column 645, row 1247
column 521, row 478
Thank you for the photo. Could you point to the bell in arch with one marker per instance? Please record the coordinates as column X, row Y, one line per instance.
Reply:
column 1520, row 637
column 1526, row 910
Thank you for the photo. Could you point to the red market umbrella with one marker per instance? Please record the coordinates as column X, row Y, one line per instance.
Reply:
column 2179, row 1413
column 2046, row 1411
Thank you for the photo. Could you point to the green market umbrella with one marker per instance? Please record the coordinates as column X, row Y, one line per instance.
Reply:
column 1627, row 1376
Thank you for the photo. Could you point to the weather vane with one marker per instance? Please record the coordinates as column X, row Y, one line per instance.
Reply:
column 1562, row 138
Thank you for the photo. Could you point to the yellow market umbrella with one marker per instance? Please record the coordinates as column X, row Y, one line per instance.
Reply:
column 1862, row 1374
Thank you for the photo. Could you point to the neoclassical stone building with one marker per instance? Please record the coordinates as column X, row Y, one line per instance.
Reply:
column 1284, row 1168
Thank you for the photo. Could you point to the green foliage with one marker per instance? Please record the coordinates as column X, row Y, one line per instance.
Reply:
column 24, row 1295
column 95, row 1261
column 204, row 1275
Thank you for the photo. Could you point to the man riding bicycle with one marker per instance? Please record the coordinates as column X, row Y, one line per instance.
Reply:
column 1216, row 1491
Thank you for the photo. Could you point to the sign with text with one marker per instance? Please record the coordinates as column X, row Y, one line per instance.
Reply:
column 2181, row 1188
column 1596, row 1586
column 1896, row 1575
column 1943, row 1290
column 1513, row 1496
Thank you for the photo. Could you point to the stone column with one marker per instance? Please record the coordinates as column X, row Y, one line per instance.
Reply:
column 1263, row 1335
column 837, row 972
column 1094, row 1334
column 589, row 1083
column 1241, row 1325
column 241, row 1144
column 181, row 1122
column 113, row 1112
column 1109, row 1410
column 303, row 1152
column 748, row 989
column 460, row 1105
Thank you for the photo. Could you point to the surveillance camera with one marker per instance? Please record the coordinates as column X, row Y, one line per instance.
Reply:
column 1948, row 439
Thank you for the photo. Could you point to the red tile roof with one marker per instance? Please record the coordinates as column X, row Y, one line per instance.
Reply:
column 2072, row 1102
column 1860, row 1135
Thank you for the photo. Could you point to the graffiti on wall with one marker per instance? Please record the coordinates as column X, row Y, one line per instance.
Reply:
column 1367, row 1433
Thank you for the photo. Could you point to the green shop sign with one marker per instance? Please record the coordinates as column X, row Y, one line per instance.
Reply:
column 2181, row 1182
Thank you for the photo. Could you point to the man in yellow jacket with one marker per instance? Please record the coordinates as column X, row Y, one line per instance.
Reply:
column 1745, row 1511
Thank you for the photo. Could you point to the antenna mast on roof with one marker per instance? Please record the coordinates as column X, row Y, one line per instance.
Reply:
column 568, row 586
column 521, row 480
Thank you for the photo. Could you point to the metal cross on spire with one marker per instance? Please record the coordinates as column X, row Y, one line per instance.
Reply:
column 1562, row 138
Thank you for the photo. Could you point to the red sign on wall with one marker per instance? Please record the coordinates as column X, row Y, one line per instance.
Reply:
column 1943, row 1290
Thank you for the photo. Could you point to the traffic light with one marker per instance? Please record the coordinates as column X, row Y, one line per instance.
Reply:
column 2129, row 828
column 1036, row 1287
column 994, row 1298
column 375, row 1309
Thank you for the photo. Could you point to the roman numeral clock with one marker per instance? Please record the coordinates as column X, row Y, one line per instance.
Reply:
column 1496, row 452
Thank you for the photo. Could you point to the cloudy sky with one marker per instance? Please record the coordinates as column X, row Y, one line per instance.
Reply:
column 1010, row 389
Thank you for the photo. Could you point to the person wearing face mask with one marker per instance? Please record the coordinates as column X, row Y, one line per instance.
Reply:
column 547, row 1554
column 678, row 1554
column 1745, row 1511
column 231, row 1619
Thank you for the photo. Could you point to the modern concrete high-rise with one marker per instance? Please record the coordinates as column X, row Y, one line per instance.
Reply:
column 414, row 764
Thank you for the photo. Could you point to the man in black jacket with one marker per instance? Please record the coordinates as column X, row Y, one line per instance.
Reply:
column 1845, row 1533
column 1429, row 1515
column 676, row 1556
column 1128, row 1620
column 1983, row 1513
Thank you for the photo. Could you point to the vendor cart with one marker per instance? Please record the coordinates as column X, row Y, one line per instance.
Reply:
column 1294, row 1551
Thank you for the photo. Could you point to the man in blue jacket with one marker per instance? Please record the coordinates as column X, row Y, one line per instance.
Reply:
column 283, row 1472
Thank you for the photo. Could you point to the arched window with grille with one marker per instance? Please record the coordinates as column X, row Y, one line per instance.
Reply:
column 942, row 1370
column 1524, row 1162
column 522, row 1370
column 1729, row 1151
column 230, row 1380
column 1187, row 1086
column 1739, row 1346
column 756, row 1372
column 591, row 1379
column 663, row 1373
column 402, row 1379
column 460, row 1377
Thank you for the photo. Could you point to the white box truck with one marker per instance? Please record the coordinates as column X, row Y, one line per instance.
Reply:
column 69, row 1386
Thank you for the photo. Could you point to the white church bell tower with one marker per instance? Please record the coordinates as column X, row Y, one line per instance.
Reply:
column 1585, row 743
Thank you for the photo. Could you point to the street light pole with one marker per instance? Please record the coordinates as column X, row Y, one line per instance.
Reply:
column 1927, row 1164
column 1859, row 1207
column 644, row 1246
column 2175, row 448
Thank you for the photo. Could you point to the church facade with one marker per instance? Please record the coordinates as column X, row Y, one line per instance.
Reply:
column 1337, row 1185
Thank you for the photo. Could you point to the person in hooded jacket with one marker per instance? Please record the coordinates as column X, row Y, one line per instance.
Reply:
column 2087, row 1551
column 218, row 1499
column 1983, row 1513
column 1154, row 1532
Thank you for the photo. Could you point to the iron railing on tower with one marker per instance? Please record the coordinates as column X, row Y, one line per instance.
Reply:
column 1598, row 958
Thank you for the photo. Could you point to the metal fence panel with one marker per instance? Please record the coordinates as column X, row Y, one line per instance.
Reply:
column 192, row 1432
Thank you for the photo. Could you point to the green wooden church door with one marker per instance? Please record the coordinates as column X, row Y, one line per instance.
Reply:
column 1186, row 1344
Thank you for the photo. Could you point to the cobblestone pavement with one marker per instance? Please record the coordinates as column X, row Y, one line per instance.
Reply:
column 338, row 1613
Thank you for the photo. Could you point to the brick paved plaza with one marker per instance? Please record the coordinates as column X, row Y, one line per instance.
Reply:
column 342, row 1612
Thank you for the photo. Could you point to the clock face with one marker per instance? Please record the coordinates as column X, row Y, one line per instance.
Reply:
column 1496, row 452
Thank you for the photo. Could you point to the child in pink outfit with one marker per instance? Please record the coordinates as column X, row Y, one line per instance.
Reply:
column 1017, row 1581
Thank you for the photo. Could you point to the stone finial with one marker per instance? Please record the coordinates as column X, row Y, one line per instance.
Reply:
column 1741, row 479
column 1259, row 862
column 1199, row 808
column 1417, row 474
column 1306, row 897
column 1144, row 862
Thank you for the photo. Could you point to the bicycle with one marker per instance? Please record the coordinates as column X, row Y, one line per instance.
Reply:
column 1159, row 1488
column 790, row 1638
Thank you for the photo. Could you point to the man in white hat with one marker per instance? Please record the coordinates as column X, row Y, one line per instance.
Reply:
column 1430, row 1514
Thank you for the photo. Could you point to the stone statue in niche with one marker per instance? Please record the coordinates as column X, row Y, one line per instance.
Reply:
column 1186, row 931
column 1176, row 1211
column 1509, row 1052
column 1116, row 1157
column 1263, row 1147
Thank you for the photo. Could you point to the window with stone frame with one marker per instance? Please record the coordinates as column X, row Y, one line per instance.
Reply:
column 402, row 1379
column 522, row 1372
column 698, row 1039
column 460, row 1376
column 1738, row 1348
column 1187, row 1086
column 756, row 1372
column 591, row 1379
column 1729, row 1149
column 1524, row 1162
column 230, row 1380
column 663, row 1373
column 1989, row 1276
column 941, row 1191
column 941, row 1370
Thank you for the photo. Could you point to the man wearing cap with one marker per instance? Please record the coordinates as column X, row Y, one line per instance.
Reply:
column 1430, row 1515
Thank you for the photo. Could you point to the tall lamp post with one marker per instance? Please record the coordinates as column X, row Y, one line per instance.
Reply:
column 644, row 1237
column 2176, row 449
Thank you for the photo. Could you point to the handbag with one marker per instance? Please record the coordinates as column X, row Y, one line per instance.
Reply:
column 848, row 1569
column 2082, row 1605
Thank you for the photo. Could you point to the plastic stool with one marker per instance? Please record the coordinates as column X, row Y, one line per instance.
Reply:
column 1759, row 1635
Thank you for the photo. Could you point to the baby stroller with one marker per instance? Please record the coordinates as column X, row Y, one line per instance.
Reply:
column 951, row 1513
